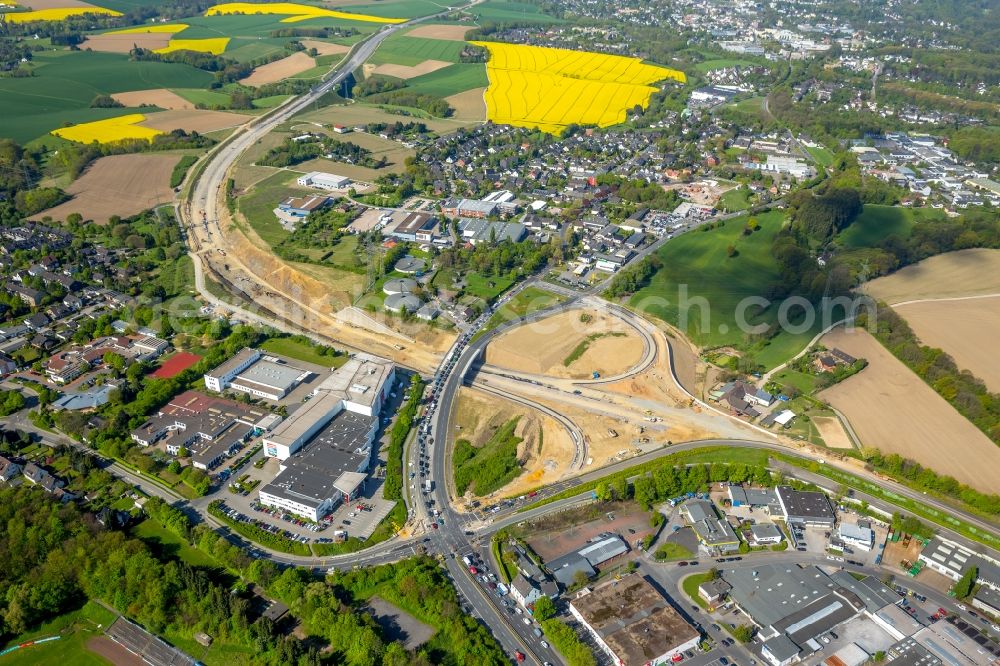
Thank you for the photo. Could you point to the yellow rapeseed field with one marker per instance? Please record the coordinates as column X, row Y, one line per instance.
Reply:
column 294, row 11
column 56, row 14
column 106, row 131
column 171, row 28
column 547, row 88
column 213, row 45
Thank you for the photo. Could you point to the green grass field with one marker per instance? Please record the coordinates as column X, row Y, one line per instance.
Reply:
column 209, row 98
column 66, row 82
column 720, row 63
column 74, row 628
column 697, row 261
column 498, row 10
column 258, row 206
column 450, row 80
column 303, row 352
column 822, row 156
column 170, row 545
column 396, row 8
column 876, row 223
column 734, row 200
column 489, row 467
column 254, row 26
column 404, row 50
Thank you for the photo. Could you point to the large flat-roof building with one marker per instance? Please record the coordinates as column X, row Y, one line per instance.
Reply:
column 249, row 371
column 858, row 536
column 332, row 466
column 358, row 386
column 633, row 623
column 324, row 181
column 806, row 507
column 713, row 532
column 952, row 560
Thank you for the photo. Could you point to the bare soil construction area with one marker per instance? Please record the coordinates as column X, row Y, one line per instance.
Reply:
column 408, row 72
column 279, row 70
column 893, row 410
column 161, row 97
column 195, row 120
column 476, row 417
column 325, row 48
column 118, row 185
column 469, row 105
column 832, row 432
column 125, row 43
column 952, row 275
column 565, row 345
column 455, row 33
column 966, row 330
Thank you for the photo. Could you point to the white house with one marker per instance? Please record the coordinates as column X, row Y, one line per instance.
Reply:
column 324, row 181
column 857, row 536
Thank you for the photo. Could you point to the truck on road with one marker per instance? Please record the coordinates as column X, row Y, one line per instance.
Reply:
column 428, row 486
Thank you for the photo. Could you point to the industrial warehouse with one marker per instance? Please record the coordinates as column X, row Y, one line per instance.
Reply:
column 326, row 444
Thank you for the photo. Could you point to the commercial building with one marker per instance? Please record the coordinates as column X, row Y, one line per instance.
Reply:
column 358, row 386
column 415, row 227
column 218, row 379
column 908, row 652
column 713, row 532
column 713, row 590
column 324, row 181
column 957, row 643
column 765, row 533
column 331, row 468
column 988, row 600
column 793, row 606
column 478, row 231
column 857, row 536
column 603, row 548
column 633, row 624
column 755, row 498
column 952, row 560
column 806, row 507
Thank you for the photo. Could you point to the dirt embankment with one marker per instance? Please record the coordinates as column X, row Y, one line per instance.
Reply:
column 572, row 344
column 546, row 451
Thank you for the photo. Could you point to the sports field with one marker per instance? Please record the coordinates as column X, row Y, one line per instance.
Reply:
column 696, row 266
column 548, row 89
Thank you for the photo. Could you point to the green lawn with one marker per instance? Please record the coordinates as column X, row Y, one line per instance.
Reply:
column 720, row 63
column 74, row 629
column 486, row 288
column 672, row 551
column 876, row 223
column 527, row 301
column 450, row 80
column 698, row 263
column 405, row 50
column 258, row 206
column 690, row 585
column 821, row 155
column 803, row 382
column 66, row 82
column 171, row 545
column 734, row 200
column 302, row 351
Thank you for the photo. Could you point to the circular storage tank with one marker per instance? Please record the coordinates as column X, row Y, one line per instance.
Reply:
column 399, row 286
column 400, row 302
column 410, row 265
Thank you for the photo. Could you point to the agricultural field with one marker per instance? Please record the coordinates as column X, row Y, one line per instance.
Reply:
column 106, row 131
column 362, row 114
column 698, row 262
column 540, row 87
column 448, row 31
column 892, row 409
column 196, row 120
column 409, row 50
column 572, row 344
column 450, row 80
column 503, row 10
column 159, row 97
column 952, row 275
column 294, row 12
column 120, row 185
column 213, row 45
column 58, row 13
column 468, row 105
column 965, row 329
column 64, row 83
column 280, row 69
